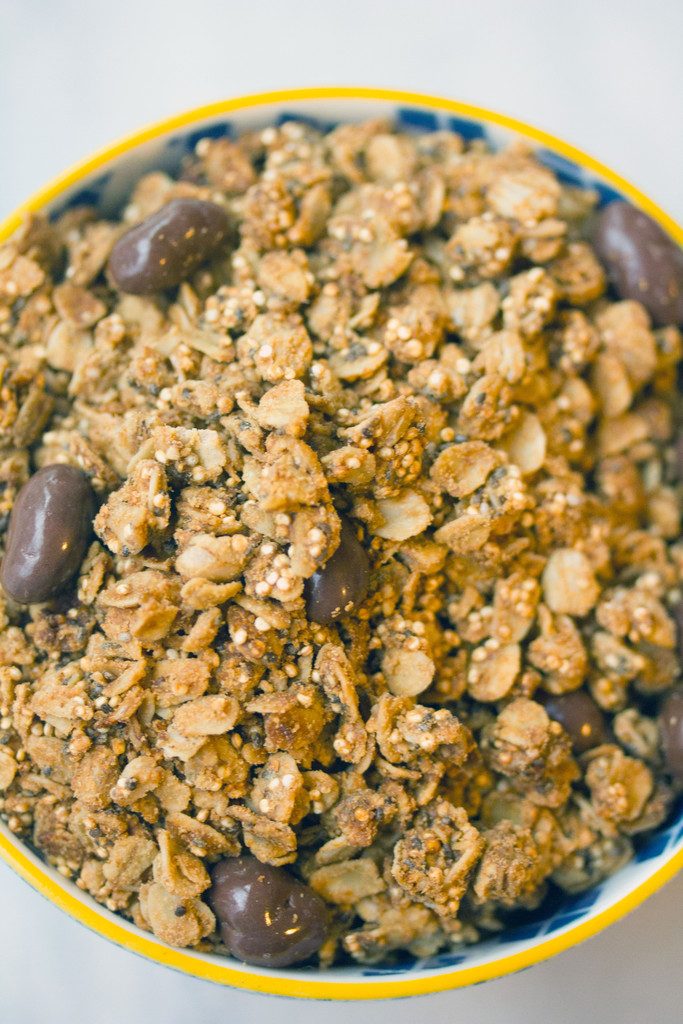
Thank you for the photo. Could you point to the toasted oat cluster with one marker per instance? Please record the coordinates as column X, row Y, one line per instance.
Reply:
column 407, row 338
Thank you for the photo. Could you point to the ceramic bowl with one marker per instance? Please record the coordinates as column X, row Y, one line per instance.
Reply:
column 104, row 180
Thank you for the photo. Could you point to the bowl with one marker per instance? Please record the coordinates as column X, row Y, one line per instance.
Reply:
column 103, row 180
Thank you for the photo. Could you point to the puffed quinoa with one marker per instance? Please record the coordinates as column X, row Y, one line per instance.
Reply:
column 411, row 334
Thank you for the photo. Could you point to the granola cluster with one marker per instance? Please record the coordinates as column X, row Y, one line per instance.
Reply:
column 409, row 335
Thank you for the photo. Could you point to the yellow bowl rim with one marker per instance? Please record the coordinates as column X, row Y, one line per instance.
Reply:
column 303, row 987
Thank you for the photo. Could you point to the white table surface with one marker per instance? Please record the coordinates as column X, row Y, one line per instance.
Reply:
column 606, row 75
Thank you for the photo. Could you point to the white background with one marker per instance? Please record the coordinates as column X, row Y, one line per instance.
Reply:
column 604, row 74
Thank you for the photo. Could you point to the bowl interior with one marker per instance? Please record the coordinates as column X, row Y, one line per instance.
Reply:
column 105, row 182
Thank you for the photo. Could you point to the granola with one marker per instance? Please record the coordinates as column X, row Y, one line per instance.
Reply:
column 400, row 350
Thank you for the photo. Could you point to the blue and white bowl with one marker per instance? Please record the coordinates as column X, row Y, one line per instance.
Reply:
column 105, row 180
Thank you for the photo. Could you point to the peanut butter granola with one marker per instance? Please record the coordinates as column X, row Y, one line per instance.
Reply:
column 340, row 520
